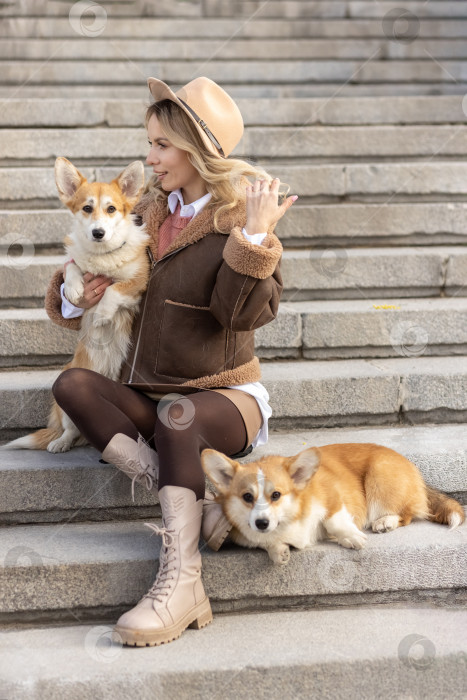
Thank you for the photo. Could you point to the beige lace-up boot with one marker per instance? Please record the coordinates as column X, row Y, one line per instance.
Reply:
column 141, row 463
column 176, row 600
column 135, row 459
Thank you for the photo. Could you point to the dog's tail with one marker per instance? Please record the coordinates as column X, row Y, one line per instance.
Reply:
column 443, row 509
column 40, row 438
column 34, row 441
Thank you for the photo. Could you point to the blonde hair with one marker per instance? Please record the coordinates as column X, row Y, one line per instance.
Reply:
column 225, row 178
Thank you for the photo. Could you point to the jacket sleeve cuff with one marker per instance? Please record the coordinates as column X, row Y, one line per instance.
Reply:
column 246, row 258
column 53, row 304
column 256, row 238
column 68, row 309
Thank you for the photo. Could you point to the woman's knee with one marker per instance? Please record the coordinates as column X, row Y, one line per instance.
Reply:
column 70, row 381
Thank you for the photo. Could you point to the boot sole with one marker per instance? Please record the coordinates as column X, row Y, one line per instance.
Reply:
column 218, row 537
column 197, row 618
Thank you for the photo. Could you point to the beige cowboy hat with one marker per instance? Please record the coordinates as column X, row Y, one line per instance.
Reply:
column 214, row 112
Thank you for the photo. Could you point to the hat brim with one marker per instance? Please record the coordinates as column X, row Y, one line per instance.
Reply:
column 161, row 91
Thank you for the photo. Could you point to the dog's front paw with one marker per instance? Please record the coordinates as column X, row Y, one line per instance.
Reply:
column 59, row 445
column 356, row 540
column 279, row 555
column 100, row 319
column 74, row 292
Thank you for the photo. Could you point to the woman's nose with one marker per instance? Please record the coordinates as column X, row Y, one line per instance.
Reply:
column 151, row 158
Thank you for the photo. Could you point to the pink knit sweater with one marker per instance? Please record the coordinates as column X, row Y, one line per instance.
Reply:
column 169, row 230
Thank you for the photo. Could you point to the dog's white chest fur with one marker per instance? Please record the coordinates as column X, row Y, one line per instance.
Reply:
column 306, row 532
column 107, row 344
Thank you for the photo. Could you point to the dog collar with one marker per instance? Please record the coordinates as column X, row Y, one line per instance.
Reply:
column 115, row 249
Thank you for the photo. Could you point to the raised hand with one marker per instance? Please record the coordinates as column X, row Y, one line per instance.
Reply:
column 262, row 207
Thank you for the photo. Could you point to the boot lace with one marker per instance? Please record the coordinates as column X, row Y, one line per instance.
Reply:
column 142, row 474
column 160, row 589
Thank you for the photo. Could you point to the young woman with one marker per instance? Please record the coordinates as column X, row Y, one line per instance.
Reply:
column 191, row 380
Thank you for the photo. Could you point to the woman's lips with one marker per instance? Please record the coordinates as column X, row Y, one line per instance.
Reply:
column 161, row 175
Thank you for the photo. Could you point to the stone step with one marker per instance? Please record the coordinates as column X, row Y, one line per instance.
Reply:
column 28, row 145
column 354, row 224
column 205, row 664
column 313, row 330
column 128, row 8
column 84, row 489
column 331, row 273
column 26, row 187
column 167, row 28
column 311, row 653
column 98, row 112
column 121, row 72
column 78, row 571
column 253, row 9
column 353, row 392
column 337, row 273
column 412, row 12
column 100, row 48
column 325, row 225
column 303, row 393
column 360, row 328
column 284, row 91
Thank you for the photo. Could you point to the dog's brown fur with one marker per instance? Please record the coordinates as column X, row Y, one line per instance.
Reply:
column 335, row 492
column 121, row 255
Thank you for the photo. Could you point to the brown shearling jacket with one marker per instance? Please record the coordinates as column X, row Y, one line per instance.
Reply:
column 205, row 297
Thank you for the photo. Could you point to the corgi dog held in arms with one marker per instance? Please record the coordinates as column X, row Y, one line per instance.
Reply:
column 105, row 240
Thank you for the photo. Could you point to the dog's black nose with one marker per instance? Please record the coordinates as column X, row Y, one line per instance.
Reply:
column 262, row 524
column 98, row 233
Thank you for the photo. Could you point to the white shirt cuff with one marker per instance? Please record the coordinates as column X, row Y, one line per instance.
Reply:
column 68, row 310
column 256, row 238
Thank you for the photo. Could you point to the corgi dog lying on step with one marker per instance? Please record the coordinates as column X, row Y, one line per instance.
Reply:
column 104, row 240
column 332, row 492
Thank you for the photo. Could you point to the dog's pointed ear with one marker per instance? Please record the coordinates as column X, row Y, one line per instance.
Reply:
column 131, row 180
column 68, row 179
column 218, row 468
column 303, row 466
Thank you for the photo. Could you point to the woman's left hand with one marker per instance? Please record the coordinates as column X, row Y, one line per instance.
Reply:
column 262, row 206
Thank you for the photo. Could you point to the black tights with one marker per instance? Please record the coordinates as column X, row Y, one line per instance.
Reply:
column 179, row 429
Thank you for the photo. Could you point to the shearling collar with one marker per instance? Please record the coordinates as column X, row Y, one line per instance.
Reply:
column 201, row 225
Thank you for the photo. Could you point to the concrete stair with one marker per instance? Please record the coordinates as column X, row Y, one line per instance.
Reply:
column 417, row 653
column 324, row 47
column 314, row 330
column 76, row 570
column 359, row 107
column 37, row 487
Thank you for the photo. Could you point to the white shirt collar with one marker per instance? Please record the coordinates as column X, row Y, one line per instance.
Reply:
column 190, row 210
